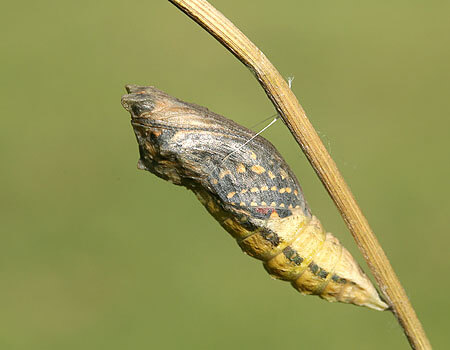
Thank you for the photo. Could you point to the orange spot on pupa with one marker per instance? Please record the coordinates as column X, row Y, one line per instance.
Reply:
column 271, row 175
column 264, row 188
column 288, row 189
column 253, row 204
column 282, row 190
column 274, row 215
column 156, row 132
column 258, row 169
column 243, row 191
column 240, row 168
column 224, row 173
column 230, row 195
column 273, row 188
column 252, row 155
column 254, row 189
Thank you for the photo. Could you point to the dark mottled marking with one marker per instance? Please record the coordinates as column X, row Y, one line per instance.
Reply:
column 247, row 224
column 283, row 213
column 138, row 109
column 247, row 180
column 318, row 271
column 271, row 237
column 313, row 267
column 323, row 274
column 337, row 279
column 292, row 255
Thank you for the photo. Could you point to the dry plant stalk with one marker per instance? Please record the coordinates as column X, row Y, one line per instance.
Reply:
column 295, row 118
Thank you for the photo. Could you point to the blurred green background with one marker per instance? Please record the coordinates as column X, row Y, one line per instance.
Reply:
column 80, row 265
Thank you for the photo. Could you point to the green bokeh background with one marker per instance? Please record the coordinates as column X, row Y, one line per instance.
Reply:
column 98, row 255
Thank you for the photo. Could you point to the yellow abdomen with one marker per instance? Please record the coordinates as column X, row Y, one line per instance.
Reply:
column 297, row 249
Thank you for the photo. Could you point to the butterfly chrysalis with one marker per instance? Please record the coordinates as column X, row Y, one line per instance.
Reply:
column 250, row 191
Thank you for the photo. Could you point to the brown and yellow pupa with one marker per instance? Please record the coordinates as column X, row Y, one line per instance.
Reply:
column 249, row 189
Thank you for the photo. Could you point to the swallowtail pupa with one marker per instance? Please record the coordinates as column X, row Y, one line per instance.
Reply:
column 250, row 191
